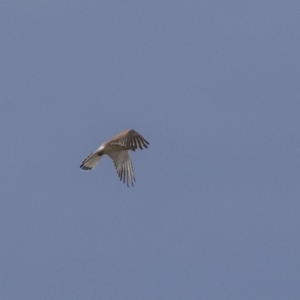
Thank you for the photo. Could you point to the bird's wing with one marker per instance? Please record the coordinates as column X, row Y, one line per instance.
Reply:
column 90, row 162
column 129, row 139
column 123, row 166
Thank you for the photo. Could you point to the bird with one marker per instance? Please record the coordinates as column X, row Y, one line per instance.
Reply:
column 118, row 150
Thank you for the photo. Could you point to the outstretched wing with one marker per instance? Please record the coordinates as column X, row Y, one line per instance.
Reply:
column 123, row 166
column 129, row 139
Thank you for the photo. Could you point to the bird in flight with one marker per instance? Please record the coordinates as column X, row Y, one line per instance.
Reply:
column 118, row 150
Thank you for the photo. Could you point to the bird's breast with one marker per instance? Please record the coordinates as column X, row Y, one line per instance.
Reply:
column 110, row 148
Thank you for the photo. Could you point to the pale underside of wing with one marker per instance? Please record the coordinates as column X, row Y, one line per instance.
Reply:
column 123, row 166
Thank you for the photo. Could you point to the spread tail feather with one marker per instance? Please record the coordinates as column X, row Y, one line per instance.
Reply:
column 90, row 162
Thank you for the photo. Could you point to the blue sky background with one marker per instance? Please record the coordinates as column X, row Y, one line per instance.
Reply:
column 213, row 86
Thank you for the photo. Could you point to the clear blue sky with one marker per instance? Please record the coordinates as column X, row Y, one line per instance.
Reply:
column 213, row 86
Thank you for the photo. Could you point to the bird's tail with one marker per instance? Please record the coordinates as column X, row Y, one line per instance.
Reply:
column 90, row 162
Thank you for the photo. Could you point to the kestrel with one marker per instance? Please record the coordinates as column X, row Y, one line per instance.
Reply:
column 117, row 149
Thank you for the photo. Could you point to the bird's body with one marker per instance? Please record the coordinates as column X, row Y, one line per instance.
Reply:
column 117, row 149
